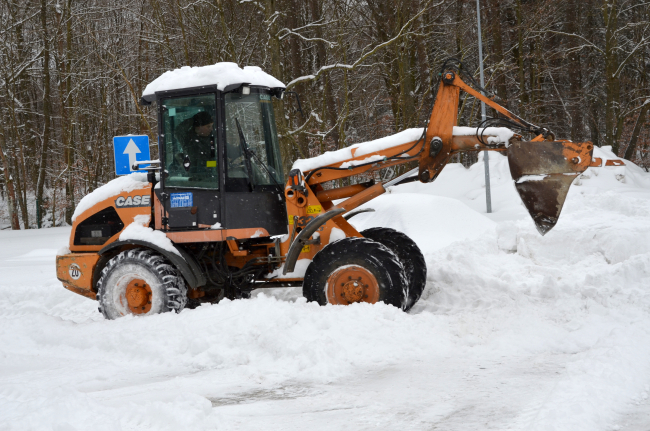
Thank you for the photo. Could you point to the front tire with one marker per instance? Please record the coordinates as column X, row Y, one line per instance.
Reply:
column 141, row 282
column 409, row 254
column 355, row 270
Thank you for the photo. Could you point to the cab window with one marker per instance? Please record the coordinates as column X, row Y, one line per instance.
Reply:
column 252, row 150
column 190, row 145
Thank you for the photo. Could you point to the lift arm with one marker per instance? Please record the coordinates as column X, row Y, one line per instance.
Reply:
column 542, row 168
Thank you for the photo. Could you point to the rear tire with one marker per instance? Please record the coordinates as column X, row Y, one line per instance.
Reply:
column 409, row 254
column 141, row 282
column 355, row 270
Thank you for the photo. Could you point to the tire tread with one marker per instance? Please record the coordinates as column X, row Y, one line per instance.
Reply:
column 409, row 254
column 174, row 283
column 368, row 253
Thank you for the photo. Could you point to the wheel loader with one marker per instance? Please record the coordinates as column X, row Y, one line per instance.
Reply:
column 216, row 217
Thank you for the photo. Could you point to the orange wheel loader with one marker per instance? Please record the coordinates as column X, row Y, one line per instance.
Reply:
column 215, row 217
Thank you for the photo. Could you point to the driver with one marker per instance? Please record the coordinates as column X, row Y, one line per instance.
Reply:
column 197, row 141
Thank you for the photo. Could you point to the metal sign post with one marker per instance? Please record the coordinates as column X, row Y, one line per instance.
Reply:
column 486, row 158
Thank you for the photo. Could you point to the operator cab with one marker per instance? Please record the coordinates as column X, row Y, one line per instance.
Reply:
column 219, row 149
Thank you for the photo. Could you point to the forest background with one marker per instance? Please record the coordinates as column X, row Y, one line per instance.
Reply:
column 72, row 72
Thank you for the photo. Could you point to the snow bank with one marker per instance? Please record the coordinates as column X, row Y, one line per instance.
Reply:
column 220, row 74
column 126, row 183
column 140, row 230
column 433, row 222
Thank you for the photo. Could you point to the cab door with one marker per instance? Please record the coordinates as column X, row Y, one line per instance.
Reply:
column 253, row 180
column 189, row 190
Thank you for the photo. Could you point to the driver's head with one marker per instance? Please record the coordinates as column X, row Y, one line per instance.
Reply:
column 202, row 123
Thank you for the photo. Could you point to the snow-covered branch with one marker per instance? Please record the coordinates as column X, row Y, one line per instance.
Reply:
column 360, row 60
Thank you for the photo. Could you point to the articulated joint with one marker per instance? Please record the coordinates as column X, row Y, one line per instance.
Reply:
column 435, row 146
column 296, row 182
column 448, row 77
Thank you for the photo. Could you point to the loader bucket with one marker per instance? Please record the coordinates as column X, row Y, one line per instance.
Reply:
column 543, row 172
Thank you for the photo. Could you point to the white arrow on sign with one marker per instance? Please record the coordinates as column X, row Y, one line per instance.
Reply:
column 131, row 149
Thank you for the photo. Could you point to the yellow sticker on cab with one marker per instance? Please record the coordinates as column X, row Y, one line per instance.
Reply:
column 314, row 209
column 306, row 249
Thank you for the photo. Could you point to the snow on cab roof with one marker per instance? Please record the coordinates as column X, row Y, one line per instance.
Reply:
column 220, row 74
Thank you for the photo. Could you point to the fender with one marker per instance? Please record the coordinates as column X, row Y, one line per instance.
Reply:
column 187, row 265
column 303, row 236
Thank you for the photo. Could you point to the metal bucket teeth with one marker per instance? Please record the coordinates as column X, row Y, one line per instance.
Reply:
column 543, row 172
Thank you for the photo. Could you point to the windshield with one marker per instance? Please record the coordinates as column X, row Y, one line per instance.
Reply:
column 190, row 152
column 261, row 165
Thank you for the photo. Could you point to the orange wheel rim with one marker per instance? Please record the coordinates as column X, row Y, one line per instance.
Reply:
column 352, row 284
column 138, row 296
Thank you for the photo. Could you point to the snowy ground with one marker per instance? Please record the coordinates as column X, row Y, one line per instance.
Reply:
column 515, row 331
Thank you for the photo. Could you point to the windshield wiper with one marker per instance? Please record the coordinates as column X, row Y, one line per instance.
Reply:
column 248, row 152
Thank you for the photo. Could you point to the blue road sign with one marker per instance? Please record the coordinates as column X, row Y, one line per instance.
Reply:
column 128, row 150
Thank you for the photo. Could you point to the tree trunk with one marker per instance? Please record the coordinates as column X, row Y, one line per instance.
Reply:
column 612, row 85
column 497, row 49
column 629, row 152
column 68, row 125
column 406, row 71
column 46, row 108
column 573, row 12
column 321, row 59
column 9, row 182
column 519, row 58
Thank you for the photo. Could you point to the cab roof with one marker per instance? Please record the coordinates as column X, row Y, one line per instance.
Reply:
column 222, row 75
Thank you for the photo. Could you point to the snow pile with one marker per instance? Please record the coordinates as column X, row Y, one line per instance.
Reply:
column 140, row 230
column 433, row 222
column 126, row 184
column 220, row 74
